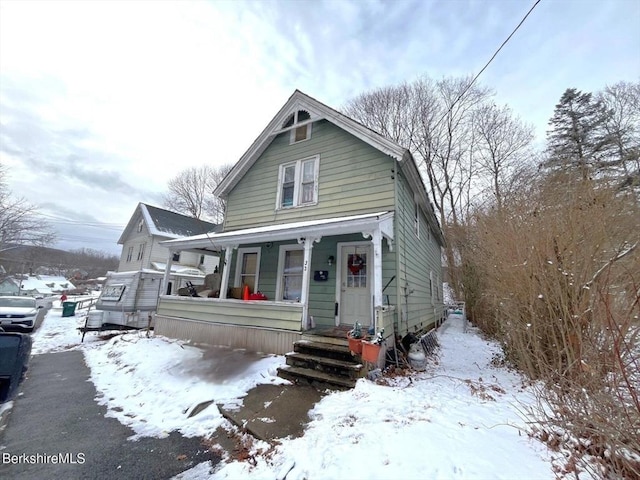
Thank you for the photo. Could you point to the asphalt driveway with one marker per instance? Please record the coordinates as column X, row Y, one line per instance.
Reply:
column 57, row 430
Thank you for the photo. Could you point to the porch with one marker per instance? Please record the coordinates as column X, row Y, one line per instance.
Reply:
column 314, row 274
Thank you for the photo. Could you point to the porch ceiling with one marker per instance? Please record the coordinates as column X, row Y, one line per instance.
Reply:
column 366, row 223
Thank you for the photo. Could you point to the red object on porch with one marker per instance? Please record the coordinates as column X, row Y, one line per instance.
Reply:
column 245, row 292
column 355, row 344
column 257, row 296
column 370, row 352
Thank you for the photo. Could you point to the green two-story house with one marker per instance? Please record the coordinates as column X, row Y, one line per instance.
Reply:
column 327, row 224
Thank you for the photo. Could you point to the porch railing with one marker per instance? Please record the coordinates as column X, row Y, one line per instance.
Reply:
column 251, row 313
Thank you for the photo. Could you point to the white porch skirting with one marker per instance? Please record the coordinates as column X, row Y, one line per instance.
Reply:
column 251, row 338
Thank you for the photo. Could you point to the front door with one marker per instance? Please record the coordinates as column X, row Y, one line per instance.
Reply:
column 355, row 285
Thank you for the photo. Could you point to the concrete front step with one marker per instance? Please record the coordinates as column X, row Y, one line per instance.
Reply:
column 333, row 366
column 312, row 376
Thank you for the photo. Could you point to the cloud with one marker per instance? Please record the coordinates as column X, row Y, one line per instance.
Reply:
column 101, row 102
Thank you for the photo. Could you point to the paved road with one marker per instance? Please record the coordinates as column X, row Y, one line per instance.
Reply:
column 57, row 417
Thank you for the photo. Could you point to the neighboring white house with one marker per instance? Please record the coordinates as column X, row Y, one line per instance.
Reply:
column 151, row 225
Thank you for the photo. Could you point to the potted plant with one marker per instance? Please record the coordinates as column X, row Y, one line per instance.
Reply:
column 354, row 337
column 371, row 350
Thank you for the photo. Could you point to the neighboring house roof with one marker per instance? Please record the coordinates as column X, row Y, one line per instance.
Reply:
column 163, row 223
column 319, row 111
column 46, row 284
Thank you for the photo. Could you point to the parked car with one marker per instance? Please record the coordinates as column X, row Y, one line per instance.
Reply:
column 18, row 313
column 15, row 349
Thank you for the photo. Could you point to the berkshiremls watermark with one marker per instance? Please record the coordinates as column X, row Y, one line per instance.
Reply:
column 43, row 458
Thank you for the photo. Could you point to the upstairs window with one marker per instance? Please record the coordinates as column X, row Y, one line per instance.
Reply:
column 140, row 225
column 129, row 254
column 141, row 251
column 300, row 132
column 298, row 183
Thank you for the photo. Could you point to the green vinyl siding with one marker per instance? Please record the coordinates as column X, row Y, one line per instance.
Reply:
column 250, row 314
column 354, row 178
column 322, row 294
column 418, row 257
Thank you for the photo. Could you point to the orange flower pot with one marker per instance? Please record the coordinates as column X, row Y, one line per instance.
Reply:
column 355, row 344
column 370, row 352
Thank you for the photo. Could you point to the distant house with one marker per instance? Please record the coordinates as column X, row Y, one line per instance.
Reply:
column 44, row 285
column 9, row 286
column 148, row 226
column 328, row 224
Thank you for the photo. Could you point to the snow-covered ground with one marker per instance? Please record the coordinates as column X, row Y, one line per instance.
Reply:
column 460, row 418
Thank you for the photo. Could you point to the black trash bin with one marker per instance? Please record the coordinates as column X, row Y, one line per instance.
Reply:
column 69, row 309
column 15, row 349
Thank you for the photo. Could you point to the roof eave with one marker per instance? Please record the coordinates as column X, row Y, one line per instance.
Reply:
column 318, row 110
column 293, row 231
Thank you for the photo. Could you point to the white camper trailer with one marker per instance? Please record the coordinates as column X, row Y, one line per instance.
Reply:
column 130, row 299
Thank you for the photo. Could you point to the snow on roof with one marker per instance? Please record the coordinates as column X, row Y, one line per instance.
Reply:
column 173, row 224
column 46, row 284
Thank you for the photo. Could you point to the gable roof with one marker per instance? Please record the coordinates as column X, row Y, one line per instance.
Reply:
column 319, row 111
column 163, row 223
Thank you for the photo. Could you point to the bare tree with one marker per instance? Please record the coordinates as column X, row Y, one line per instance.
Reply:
column 503, row 144
column 19, row 220
column 434, row 120
column 622, row 124
column 191, row 192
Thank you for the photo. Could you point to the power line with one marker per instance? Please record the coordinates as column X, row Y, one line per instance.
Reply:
column 487, row 64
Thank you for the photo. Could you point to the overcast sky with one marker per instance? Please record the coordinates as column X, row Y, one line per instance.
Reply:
column 101, row 103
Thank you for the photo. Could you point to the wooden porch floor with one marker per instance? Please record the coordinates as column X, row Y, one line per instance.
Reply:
column 333, row 332
column 332, row 335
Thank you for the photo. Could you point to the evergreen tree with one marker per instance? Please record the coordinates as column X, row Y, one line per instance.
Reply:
column 577, row 139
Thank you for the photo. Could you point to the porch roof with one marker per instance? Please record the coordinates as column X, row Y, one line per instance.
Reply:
column 365, row 223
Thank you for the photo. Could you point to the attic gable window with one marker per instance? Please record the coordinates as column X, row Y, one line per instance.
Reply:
column 298, row 183
column 140, row 225
column 301, row 132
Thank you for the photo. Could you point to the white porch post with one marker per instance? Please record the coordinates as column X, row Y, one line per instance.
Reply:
column 306, row 277
column 376, row 239
column 228, row 252
column 167, row 271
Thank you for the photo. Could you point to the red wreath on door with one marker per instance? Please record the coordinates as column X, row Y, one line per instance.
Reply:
column 356, row 264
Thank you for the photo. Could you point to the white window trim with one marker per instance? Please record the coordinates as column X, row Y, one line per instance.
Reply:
column 294, row 127
column 298, row 183
column 130, row 253
column 239, row 255
column 281, row 254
